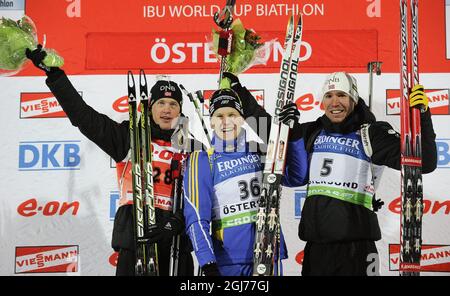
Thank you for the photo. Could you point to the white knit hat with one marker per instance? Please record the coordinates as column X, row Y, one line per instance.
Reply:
column 341, row 81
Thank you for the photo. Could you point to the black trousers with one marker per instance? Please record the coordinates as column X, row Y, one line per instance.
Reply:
column 123, row 242
column 358, row 258
column 127, row 259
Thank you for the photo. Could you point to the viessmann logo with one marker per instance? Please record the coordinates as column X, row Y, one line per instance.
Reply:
column 438, row 101
column 40, row 105
column 47, row 259
column 434, row 258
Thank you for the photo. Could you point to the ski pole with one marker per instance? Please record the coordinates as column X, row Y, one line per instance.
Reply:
column 371, row 67
column 177, row 168
column 198, row 110
column 224, row 21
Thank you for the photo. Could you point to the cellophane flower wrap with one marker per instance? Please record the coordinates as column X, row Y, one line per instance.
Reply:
column 247, row 50
column 15, row 38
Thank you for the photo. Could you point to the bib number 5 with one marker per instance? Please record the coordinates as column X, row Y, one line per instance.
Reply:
column 326, row 167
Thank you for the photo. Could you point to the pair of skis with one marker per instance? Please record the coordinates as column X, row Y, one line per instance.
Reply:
column 411, row 150
column 144, row 213
column 141, row 160
column 267, row 239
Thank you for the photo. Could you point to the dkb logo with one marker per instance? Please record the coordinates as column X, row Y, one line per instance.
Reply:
column 299, row 197
column 114, row 197
column 443, row 147
column 47, row 156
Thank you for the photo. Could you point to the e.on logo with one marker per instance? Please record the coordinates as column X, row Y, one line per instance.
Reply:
column 121, row 105
column 113, row 259
column 308, row 102
column 429, row 207
column 31, row 208
column 299, row 257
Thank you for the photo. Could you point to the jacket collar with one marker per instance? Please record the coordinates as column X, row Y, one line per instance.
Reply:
column 237, row 145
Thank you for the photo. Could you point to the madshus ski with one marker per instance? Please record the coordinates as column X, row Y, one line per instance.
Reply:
column 411, row 150
column 141, row 160
column 267, row 237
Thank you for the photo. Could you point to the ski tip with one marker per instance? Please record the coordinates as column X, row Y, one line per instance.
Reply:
column 289, row 28
column 143, row 83
column 130, row 79
column 200, row 96
column 182, row 88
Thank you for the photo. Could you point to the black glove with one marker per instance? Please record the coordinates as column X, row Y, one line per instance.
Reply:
column 232, row 78
column 37, row 57
column 210, row 269
column 165, row 229
column 377, row 204
column 290, row 116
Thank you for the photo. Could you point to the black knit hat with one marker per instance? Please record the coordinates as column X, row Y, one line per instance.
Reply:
column 225, row 98
column 165, row 89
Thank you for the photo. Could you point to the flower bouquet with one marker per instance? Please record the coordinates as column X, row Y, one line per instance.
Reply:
column 247, row 50
column 15, row 38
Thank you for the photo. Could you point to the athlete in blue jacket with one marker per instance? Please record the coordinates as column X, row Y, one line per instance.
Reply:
column 222, row 187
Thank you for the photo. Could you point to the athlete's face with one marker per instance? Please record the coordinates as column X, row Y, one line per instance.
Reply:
column 227, row 123
column 165, row 112
column 338, row 105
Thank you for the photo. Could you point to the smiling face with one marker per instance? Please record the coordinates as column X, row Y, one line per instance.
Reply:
column 338, row 105
column 164, row 112
column 227, row 123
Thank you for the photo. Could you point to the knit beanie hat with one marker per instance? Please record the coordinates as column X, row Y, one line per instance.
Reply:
column 225, row 98
column 165, row 89
column 341, row 81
